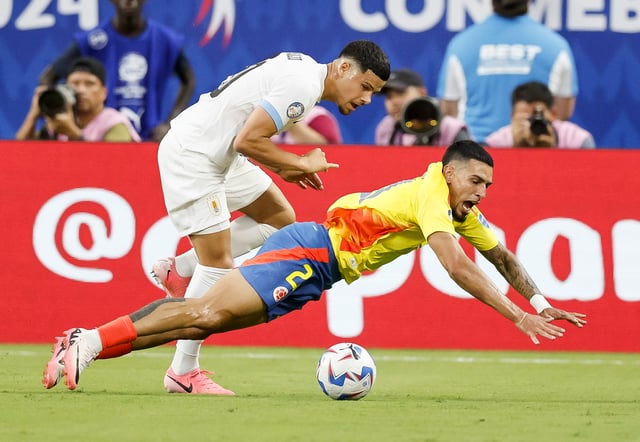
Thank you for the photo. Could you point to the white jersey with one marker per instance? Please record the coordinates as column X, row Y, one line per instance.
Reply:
column 286, row 86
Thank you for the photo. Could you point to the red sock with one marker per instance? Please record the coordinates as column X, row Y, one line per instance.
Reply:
column 117, row 332
column 115, row 351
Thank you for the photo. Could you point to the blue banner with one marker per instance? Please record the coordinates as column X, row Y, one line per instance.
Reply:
column 224, row 36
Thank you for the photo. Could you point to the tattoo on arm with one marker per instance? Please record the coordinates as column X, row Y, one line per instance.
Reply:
column 512, row 270
column 149, row 308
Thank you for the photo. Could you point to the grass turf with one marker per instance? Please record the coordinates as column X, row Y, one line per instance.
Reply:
column 418, row 396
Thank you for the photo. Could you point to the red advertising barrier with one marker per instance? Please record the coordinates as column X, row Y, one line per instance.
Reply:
column 82, row 223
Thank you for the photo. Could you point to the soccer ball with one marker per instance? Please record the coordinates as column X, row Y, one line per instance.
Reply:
column 346, row 371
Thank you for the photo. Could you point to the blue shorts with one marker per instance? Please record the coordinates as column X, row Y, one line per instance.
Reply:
column 294, row 266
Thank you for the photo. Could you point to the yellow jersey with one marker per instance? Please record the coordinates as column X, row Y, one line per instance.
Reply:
column 370, row 229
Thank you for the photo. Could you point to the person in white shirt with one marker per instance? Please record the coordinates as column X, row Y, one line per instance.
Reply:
column 206, row 173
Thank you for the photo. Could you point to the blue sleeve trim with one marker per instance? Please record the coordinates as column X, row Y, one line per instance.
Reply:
column 275, row 116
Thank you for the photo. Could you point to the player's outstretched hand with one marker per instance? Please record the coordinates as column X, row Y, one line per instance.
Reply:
column 534, row 325
column 572, row 317
column 316, row 161
column 304, row 180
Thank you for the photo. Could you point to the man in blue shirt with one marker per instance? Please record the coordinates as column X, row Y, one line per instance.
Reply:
column 140, row 56
column 484, row 63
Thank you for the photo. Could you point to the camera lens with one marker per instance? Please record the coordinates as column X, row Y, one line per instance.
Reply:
column 421, row 117
column 539, row 127
column 52, row 102
column 55, row 100
column 539, row 124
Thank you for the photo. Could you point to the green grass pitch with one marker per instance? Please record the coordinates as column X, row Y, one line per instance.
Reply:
column 419, row 395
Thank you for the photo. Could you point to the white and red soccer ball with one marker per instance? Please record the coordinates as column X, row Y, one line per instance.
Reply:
column 346, row 371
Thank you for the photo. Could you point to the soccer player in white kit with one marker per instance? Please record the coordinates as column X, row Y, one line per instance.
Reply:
column 206, row 173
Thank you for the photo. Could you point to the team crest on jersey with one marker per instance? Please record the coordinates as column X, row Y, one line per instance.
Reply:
column 98, row 39
column 279, row 293
column 295, row 110
column 132, row 69
column 214, row 205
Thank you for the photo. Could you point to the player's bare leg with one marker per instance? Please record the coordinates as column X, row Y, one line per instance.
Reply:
column 269, row 212
column 229, row 305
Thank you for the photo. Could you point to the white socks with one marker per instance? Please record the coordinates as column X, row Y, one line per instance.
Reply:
column 246, row 235
column 93, row 338
column 185, row 358
column 186, row 263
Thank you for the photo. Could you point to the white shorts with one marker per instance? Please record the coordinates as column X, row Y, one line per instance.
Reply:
column 200, row 194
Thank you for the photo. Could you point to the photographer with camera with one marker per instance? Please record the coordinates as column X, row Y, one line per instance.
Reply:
column 414, row 118
column 75, row 110
column 142, row 57
column 534, row 124
column 486, row 61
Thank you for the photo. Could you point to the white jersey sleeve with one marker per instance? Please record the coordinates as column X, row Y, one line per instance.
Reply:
column 287, row 86
column 294, row 88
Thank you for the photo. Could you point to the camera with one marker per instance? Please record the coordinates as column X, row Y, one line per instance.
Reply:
column 539, row 124
column 54, row 100
column 421, row 117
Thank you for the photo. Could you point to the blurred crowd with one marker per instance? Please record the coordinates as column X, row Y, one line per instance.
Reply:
column 507, row 81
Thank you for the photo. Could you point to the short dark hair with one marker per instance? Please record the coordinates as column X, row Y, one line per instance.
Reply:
column 369, row 56
column 466, row 150
column 532, row 91
column 90, row 65
column 510, row 8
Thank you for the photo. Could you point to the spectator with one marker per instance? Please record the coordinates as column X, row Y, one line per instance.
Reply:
column 404, row 87
column 533, row 123
column 140, row 56
column 484, row 63
column 76, row 111
column 319, row 127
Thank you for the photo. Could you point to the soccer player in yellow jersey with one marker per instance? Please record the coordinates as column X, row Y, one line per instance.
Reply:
column 363, row 231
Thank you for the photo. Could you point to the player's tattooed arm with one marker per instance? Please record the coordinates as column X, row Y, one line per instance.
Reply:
column 512, row 270
column 150, row 308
